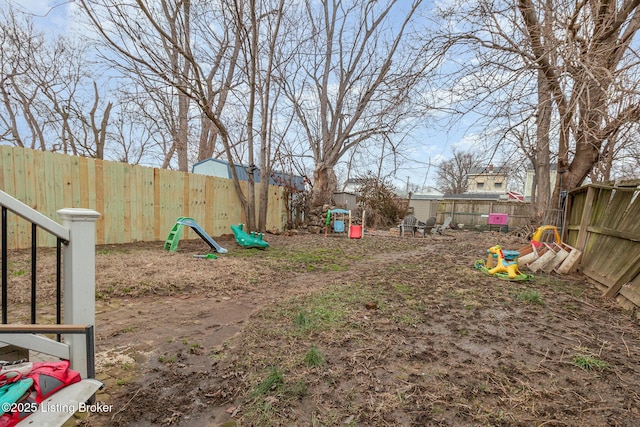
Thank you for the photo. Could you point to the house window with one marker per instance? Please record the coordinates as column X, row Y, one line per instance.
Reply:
column 481, row 185
column 498, row 185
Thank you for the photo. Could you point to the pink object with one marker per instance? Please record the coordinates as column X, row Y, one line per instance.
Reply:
column 498, row 219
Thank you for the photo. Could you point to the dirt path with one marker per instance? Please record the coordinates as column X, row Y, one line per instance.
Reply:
column 183, row 331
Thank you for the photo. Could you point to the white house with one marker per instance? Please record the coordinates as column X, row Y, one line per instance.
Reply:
column 488, row 180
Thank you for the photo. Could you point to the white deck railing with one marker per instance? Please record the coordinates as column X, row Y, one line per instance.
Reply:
column 77, row 232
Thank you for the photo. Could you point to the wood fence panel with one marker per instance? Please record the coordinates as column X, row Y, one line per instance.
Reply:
column 126, row 205
column 209, row 212
column 3, row 149
column 8, row 187
column 99, row 189
column 145, row 220
column 136, row 203
column 604, row 223
column 475, row 213
column 44, row 193
column 114, row 202
column 52, row 193
column 598, row 210
column 630, row 221
column 186, row 205
column 65, row 191
column 30, row 187
column 74, row 181
column 87, row 183
column 574, row 217
column 170, row 200
column 24, row 232
column 277, row 211
column 198, row 202
column 156, row 206
column 226, row 209
column 617, row 209
column 631, row 291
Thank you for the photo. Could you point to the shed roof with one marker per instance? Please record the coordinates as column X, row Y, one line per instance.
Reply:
column 473, row 196
column 277, row 178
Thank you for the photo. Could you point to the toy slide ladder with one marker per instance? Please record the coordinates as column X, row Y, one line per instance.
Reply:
column 171, row 244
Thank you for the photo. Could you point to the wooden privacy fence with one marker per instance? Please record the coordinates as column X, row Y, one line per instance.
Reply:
column 136, row 203
column 474, row 213
column 603, row 221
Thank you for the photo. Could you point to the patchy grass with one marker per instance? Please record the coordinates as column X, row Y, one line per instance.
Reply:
column 530, row 296
column 167, row 359
column 273, row 382
column 314, row 357
column 116, row 250
column 589, row 363
column 321, row 311
column 303, row 321
column 317, row 259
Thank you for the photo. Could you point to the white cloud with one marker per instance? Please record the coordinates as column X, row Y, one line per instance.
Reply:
column 468, row 143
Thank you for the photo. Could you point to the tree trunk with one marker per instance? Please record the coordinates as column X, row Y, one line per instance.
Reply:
column 574, row 175
column 182, row 133
column 208, row 137
column 264, row 198
column 250, row 207
column 325, row 184
column 542, row 157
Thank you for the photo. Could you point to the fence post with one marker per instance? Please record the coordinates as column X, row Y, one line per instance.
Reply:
column 79, row 279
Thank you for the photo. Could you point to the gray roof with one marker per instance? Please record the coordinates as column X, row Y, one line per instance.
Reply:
column 497, row 170
column 277, row 178
column 427, row 196
column 473, row 196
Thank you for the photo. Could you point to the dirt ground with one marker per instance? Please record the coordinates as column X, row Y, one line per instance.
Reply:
column 330, row 331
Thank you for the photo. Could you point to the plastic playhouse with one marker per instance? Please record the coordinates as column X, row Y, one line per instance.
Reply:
column 339, row 221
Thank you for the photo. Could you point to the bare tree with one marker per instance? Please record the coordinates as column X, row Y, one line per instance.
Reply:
column 592, row 40
column 453, row 174
column 18, row 46
column 352, row 74
column 261, row 52
column 156, row 37
column 630, row 168
column 141, row 125
column 493, row 82
column 50, row 98
column 572, row 62
column 136, row 34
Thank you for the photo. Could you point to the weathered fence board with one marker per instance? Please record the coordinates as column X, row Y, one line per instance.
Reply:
column 136, row 203
column 631, row 291
column 604, row 222
column 474, row 213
